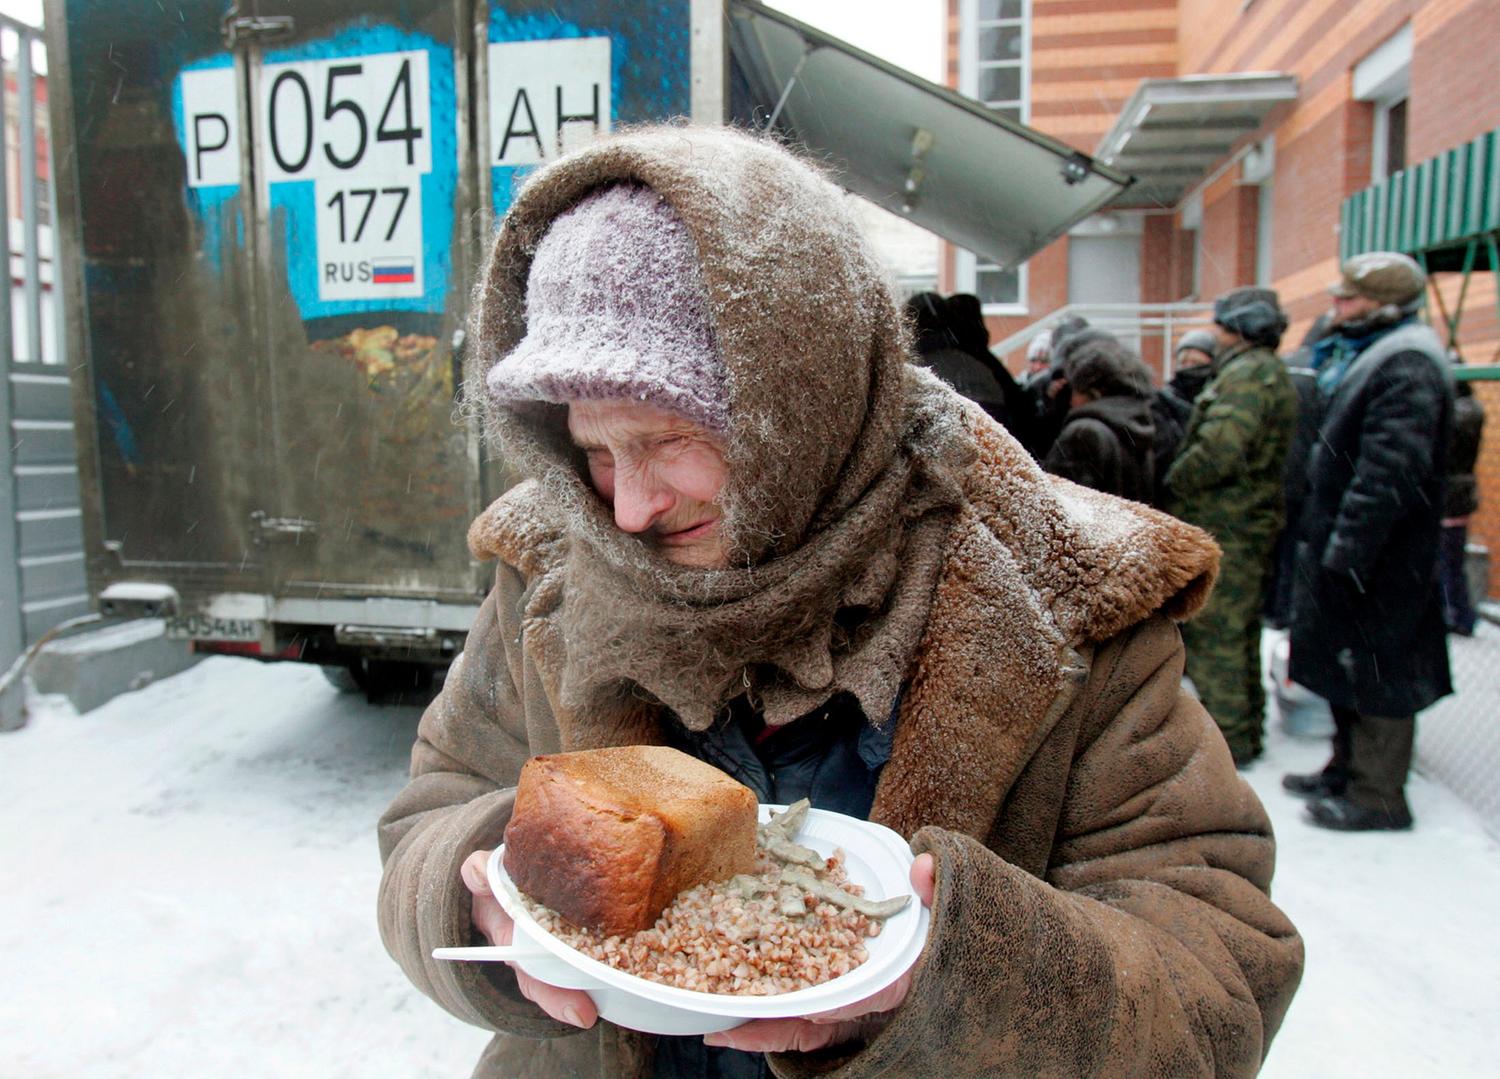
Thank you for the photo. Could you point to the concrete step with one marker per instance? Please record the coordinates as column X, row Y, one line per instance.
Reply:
column 93, row 668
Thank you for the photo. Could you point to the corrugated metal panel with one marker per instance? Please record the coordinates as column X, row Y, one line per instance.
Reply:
column 41, row 545
column 47, row 532
column 1437, row 204
column 46, row 487
column 41, row 442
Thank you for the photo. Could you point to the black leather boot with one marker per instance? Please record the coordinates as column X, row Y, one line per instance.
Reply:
column 1315, row 784
column 1342, row 815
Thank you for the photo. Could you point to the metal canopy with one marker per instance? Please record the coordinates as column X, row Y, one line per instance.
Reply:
column 941, row 160
column 1172, row 131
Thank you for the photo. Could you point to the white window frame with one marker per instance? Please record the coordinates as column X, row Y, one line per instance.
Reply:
column 966, row 277
column 1258, row 167
column 1380, row 138
column 967, row 265
column 1383, row 78
column 968, row 53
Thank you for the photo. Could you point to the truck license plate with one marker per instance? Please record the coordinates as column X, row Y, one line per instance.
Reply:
column 202, row 627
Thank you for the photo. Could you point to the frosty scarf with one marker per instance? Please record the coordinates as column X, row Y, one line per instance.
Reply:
column 844, row 461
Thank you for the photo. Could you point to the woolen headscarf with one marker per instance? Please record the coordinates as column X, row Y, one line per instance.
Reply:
column 844, row 461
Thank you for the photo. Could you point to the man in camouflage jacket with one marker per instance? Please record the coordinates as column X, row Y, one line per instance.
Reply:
column 1227, row 479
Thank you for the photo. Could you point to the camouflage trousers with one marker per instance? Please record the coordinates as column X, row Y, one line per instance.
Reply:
column 1223, row 642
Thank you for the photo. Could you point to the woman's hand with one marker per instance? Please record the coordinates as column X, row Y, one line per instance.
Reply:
column 832, row 1027
column 565, row 1005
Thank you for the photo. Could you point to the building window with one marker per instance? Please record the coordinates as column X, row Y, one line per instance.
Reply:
column 994, row 66
column 995, row 55
column 1000, row 291
column 999, row 288
column 1383, row 79
column 1388, row 146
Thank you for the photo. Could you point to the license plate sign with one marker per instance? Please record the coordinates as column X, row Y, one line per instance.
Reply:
column 203, row 627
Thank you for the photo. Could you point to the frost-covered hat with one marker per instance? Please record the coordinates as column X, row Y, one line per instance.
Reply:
column 1387, row 277
column 1253, row 313
column 617, row 309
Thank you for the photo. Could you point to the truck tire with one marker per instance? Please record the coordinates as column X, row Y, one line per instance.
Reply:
column 380, row 679
column 341, row 679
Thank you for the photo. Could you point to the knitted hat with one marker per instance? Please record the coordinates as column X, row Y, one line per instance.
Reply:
column 1202, row 340
column 616, row 309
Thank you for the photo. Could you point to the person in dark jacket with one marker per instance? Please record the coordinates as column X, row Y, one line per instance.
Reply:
column 1106, row 438
column 1459, row 505
column 1172, row 404
column 1367, row 613
column 1227, row 478
column 1049, row 393
column 1193, row 357
column 940, row 349
column 966, row 320
column 1278, row 610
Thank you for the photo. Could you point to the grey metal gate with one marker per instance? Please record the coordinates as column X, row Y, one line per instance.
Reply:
column 42, row 581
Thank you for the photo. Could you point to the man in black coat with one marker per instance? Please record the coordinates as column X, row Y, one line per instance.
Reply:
column 1367, row 614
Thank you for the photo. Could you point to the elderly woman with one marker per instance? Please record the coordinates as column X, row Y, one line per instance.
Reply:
column 754, row 531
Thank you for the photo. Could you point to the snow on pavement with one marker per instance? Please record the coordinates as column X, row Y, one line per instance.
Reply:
column 190, row 874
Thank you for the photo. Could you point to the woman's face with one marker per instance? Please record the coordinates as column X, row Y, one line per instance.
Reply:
column 660, row 473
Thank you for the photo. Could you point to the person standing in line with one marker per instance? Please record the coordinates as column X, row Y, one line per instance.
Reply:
column 1038, row 361
column 1227, row 479
column 939, row 349
column 1172, row 404
column 1107, row 433
column 1194, row 358
column 1367, row 610
column 1050, row 393
column 1460, row 504
column 966, row 320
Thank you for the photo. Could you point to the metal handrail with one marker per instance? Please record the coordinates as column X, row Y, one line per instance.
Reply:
column 1168, row 318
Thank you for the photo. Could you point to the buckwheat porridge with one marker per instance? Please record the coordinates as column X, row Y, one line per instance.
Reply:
column 795, row 923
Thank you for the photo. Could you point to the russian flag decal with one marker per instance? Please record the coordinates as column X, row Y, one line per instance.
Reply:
column 393, row 271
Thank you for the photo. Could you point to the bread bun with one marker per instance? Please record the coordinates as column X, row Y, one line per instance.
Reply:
column 609, row 837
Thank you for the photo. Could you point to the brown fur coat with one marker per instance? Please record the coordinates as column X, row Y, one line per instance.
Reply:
column 1102, row 897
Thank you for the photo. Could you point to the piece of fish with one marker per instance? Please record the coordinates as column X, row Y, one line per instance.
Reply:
column 820, row 889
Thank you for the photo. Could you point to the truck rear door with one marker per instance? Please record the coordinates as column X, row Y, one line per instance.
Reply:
column 358, row 139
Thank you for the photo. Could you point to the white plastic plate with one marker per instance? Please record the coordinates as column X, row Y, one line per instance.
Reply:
column 875, row 857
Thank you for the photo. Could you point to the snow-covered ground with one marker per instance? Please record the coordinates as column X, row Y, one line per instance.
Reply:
column 187, row 882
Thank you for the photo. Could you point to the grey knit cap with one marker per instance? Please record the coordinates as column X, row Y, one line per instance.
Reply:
column 1202, row 340
column 616, row 309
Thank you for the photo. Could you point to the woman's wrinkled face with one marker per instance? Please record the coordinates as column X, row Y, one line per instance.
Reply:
column 659, row 473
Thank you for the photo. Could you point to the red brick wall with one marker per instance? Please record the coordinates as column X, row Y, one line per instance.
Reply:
column 1227, row 237
column 1089, row 55
column 1455, row 93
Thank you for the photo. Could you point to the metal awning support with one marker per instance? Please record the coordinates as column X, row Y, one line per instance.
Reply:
column 1173, row 131
column 920, row 150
